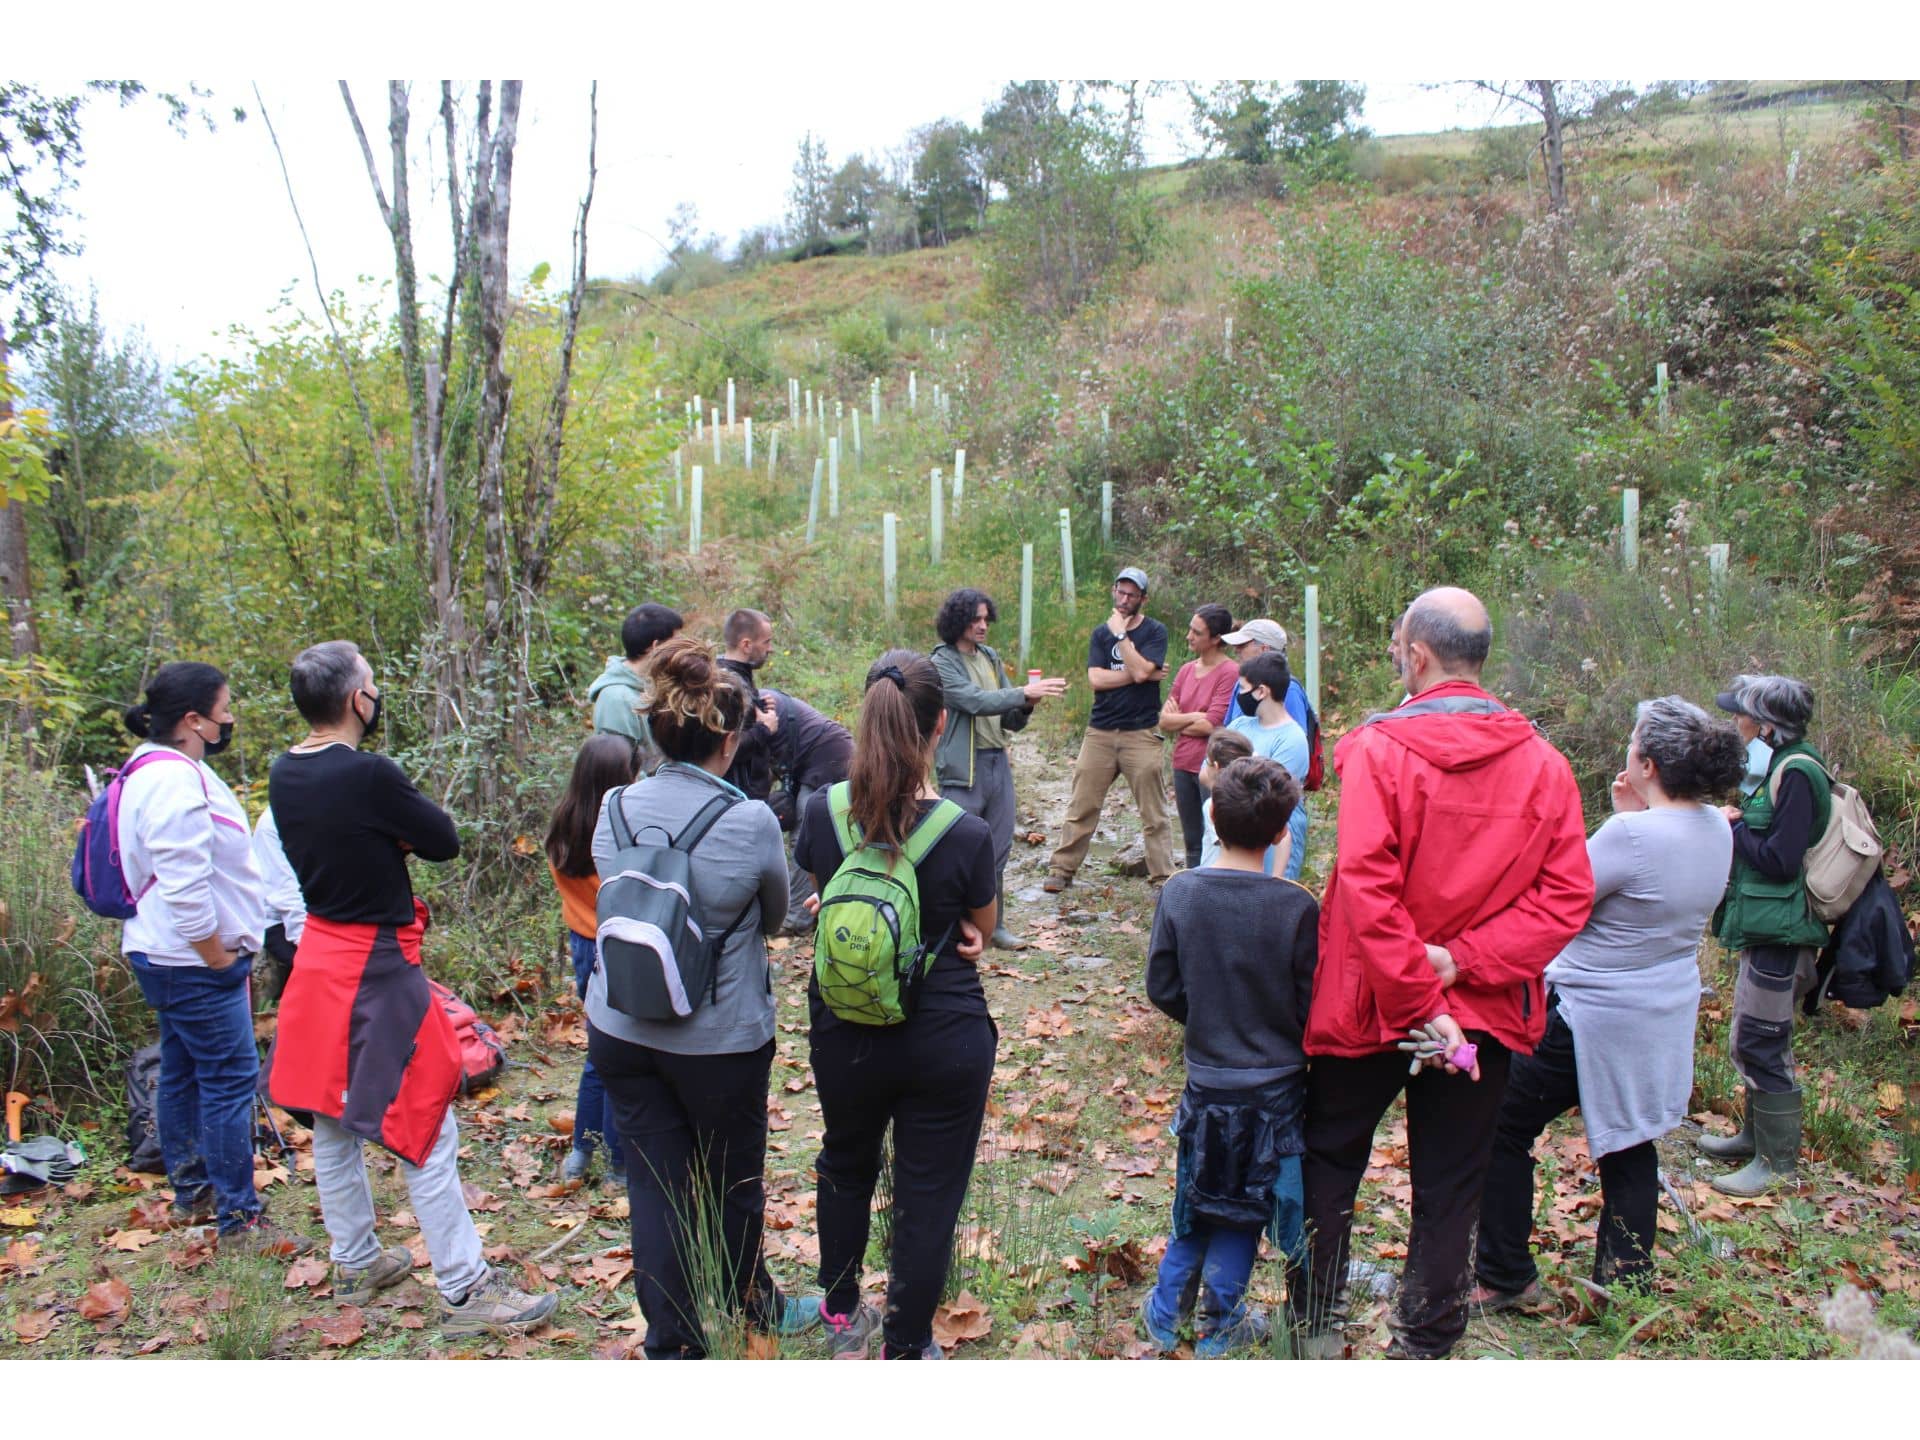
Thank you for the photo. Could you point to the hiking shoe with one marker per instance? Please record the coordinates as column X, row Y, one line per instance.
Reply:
column 574, row 1169
column 1005, row 939
column 1327, row 1345
column 852, row 1336
column 361, row 1284
column 1249, row 1330
column 929, row 1351
column 1167, row 1341
column 260, row 1236
column 1054, row 884
column 1489, row 1301
column 203, row 1211
column 493, row 1307
column 797, row 1316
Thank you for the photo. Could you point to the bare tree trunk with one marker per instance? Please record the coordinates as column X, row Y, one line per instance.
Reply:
column 1555, row 158
column 535, row 557
column 16, row 577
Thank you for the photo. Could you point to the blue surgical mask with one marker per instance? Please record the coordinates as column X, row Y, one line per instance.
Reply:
column 1759, row 756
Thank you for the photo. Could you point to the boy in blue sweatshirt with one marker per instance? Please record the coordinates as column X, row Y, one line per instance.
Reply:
column 1232, row 959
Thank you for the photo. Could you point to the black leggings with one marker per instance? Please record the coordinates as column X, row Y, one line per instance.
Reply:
column 694, row 1127
column 1540, row 1088
column 1191, row 798
column 929, row 1077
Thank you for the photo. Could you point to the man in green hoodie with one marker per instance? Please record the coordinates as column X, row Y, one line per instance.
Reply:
column 616, row 695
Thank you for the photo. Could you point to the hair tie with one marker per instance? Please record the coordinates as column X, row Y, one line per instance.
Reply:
column 891, row 672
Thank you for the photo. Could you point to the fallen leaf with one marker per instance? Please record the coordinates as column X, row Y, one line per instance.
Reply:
column 106, row 1300
column 481, row 1200
column 131, row 1240
column 964, row 1319
column 1047, row 1024
column 344, row 1327
column 20, row 1216
column 30, row 1327
column 1890, row 1098
column 410, row 1320
column 269, row 1175
column 157, row 1343
column 561, row 1122
column 309, row 1271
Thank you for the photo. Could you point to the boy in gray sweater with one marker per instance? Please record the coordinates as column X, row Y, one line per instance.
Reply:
column 1232, row 959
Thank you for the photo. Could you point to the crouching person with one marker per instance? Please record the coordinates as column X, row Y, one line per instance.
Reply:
column 1232, row 959
column 361, row 1044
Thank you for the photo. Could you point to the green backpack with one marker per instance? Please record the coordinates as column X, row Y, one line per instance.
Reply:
column 867, row 957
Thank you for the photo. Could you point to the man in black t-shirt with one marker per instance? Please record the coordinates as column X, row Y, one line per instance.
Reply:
column 1126, row 661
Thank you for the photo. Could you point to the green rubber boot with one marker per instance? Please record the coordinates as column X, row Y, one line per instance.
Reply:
column 1776, row 1137
column 1737, row 1146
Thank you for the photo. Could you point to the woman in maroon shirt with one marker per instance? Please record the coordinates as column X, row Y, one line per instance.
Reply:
column 1202, row 693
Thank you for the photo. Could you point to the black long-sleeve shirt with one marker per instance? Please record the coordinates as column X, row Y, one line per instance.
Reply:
column 1779, row 853
column 344, row 815
column 1232, row 958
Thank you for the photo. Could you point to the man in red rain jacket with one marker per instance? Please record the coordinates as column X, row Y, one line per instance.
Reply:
column 1460, row 871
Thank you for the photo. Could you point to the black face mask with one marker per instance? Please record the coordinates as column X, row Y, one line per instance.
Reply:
column 373, row 720
column 1248, row 705
column 214, row 747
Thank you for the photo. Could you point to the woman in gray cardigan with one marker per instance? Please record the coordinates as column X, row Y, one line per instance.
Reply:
column 982, row 710
column 689, row 1096
column 1622, row 1002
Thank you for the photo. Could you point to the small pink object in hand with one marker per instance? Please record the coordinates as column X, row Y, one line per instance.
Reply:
column 1464, row 1056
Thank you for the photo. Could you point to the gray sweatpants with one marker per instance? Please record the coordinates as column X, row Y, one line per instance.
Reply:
column 346, row 1205
column 1772, row 980
column 991, row 798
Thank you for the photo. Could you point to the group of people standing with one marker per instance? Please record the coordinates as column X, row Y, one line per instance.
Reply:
column 1472, row 948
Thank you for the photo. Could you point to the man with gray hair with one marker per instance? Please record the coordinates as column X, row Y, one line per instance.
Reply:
column 1767, row 919
column 1459, row 872
column 1259, row 637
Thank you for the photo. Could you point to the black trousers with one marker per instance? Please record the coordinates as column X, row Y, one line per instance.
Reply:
column 929, row 1079
column 1190, row 797
column 1540, row 1088
column 1449, row 1134
column 694, row 1128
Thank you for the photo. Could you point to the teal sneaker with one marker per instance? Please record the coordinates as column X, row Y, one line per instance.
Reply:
column 1249, row 1330
column 1165, row 1339
column 798, row 1316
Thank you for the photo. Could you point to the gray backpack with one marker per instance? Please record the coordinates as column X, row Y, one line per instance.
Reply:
column 661, row 962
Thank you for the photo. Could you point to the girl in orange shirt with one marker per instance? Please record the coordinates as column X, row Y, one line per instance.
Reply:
column 605, row 761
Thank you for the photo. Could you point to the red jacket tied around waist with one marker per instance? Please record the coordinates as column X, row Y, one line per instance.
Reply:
column 1461, row 830
column 360, row 1040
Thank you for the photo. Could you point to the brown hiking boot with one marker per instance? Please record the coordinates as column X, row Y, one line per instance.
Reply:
column 358, row 1286
column 1054, row 884
column 494, row 1307
column 260, row 1236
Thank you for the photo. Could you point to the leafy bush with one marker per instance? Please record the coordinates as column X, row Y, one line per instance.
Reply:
column 862, row 347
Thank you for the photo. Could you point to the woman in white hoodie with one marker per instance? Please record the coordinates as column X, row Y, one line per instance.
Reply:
column 187, row 856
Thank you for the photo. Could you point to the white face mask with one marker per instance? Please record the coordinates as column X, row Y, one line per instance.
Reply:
column 1759, row 756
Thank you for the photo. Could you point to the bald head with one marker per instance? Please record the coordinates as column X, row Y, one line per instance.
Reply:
column 1446, row 634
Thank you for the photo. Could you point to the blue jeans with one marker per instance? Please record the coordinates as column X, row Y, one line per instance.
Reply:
column 208, row 1070
column 592, row 1114
column 1211, row 1265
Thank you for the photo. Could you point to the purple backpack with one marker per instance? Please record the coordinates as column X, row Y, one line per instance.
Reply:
column 97, row 877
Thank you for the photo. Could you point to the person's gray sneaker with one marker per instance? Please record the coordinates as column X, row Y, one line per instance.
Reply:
column 574, row 1167
column 853, row 1336
column 494, row 1307
column 359, row 1285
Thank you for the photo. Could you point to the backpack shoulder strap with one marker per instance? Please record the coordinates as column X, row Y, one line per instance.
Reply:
column 704, row 820
column 930, row 831
column 1780, row 770
column 617, row 817
column 840, row 806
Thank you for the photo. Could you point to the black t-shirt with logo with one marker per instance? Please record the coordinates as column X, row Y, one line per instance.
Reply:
column 1130, row 707
column 957, row 876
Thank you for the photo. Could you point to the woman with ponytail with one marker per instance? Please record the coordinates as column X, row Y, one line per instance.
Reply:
column 187, row 854
column 926, row 1077
column 689, row 1096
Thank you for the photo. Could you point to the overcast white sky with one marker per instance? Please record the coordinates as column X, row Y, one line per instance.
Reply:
column 186, row 236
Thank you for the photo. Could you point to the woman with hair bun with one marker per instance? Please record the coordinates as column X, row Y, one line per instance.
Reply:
column 186, row 852
column 926, row 1077
column 689, row 1096
column 1622, row 1002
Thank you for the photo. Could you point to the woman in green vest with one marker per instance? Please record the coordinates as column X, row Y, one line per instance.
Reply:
column 1767, row 917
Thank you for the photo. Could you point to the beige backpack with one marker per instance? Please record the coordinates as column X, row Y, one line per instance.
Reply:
column 1840, row 863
